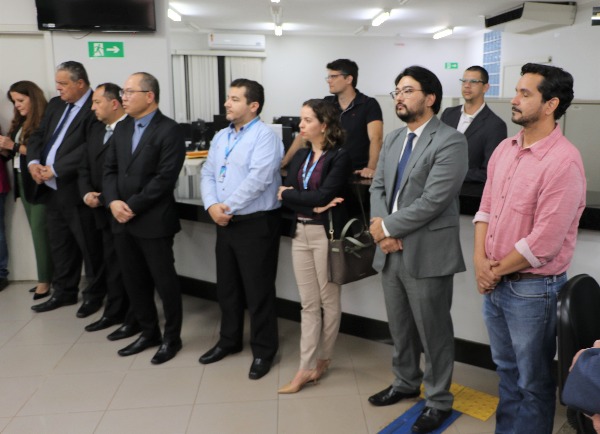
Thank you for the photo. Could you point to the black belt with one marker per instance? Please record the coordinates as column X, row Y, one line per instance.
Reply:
column 515, row 277
column 251, row 216
column 310, row 222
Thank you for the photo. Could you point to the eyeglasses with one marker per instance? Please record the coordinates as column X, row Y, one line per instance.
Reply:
column 466, row 81
column 405, row 93
column 332, row 76
column 129, row 92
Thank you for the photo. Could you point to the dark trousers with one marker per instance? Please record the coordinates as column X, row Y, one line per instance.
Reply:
column 73, row 238
column 147, row 263
column 117, row 301
column 247, row 251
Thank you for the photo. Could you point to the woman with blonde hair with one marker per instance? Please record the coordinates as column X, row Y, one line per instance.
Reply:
column 314, row 185
column 29, row 105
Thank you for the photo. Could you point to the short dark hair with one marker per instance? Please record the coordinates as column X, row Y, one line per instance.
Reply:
column 430, row 84
column 75, row 70
column 149, row 82
column 346, row 67
column 327, row 113
column 111, row 91
column 254, row 91
column 485, row 77
column 557, row 83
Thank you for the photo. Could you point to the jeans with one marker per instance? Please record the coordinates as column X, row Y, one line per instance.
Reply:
column 521, row 321
column 3, row 246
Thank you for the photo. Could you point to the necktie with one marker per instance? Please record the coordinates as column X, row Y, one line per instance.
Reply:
column 57, row 131
column 107, row 134
column 137, row 135
column 402, row 166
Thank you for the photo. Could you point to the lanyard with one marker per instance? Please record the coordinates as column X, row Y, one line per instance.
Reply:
column 237, row 138
column 306, row 176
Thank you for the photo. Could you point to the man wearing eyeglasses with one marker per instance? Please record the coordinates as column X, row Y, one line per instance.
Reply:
column 415, row 222
column 360, row 115
column 140, row 171
column 482, row 127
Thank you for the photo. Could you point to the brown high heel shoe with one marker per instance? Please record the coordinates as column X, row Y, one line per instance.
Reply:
column 302, row 378
column 322, row 367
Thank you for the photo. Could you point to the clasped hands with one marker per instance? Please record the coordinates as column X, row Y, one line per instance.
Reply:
column 485, row 275
column 385, row 243
column 121, row 211
column 41, row 174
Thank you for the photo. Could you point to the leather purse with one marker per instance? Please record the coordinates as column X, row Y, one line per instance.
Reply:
column 350, row 257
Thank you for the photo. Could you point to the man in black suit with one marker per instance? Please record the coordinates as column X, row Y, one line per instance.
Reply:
column 106, row 104
column 482, row 127
column 54, row 154
column 141, row 168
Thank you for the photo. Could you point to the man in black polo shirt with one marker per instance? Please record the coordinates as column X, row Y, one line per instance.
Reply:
column 361, row 118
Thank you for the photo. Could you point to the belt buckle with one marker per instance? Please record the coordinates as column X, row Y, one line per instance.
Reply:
column 513, row 277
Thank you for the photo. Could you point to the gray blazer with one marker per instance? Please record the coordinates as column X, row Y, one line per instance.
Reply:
column 427, row 219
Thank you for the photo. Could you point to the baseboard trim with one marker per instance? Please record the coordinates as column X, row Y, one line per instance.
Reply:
column 472, row 353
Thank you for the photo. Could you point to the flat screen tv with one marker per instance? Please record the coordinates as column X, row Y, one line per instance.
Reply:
column 96, row 15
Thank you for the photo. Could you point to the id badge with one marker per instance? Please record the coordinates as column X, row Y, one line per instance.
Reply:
column 222, row 172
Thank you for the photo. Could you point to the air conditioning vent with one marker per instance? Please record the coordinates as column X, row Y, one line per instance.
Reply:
column 235, row 41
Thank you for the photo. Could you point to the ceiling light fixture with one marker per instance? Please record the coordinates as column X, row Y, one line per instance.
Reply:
column 174, row 16
column 278, row 30
column 443, row 33
column 380, row 19
column 275, row 1
column 361, row 30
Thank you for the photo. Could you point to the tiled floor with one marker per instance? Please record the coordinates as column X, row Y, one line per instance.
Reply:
column 57, row 378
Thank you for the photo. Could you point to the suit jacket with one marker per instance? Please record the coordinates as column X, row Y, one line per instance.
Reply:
column 337, row 168
column 427, row 219
column 145, row 180
column 92, row 170
column 483, row 135
column 69, row 154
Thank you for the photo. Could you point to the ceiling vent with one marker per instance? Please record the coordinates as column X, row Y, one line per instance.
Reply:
column 235, row 41
column 534, row 17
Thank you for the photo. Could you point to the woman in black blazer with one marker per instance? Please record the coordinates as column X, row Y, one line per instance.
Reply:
column 316, row 179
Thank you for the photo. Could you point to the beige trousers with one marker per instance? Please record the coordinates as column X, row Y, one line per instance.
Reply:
column 318, row 330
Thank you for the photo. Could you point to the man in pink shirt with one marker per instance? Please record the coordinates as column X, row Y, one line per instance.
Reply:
column 525, row 233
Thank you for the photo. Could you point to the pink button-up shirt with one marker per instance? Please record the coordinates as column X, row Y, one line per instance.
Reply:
column 532, row 202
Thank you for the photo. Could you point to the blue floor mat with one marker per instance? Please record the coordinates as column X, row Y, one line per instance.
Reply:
column 404, row 423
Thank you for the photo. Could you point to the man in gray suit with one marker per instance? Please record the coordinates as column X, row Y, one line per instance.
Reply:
column 415, row 222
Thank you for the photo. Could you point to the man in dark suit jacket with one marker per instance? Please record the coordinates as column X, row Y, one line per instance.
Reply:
column 106, row 104
column 141, row 169
column 415, row 222
column 54, row 155
column 482, row 127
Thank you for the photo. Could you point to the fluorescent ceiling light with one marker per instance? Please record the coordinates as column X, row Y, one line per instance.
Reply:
column 380, row 19
column 173, row 15
column 442, row 33
column 278, row 30
column 361, row 30
column 275, row 1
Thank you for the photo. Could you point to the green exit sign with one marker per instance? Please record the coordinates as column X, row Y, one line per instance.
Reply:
column 106, row 49
column 451, row 65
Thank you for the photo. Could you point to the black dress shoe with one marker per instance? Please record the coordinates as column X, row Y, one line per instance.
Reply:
column 3, row 283
column 259, row 368
column 40, row 295
column 139, row 345
column 103, row 323
column 217, row 353
column 33, row 289
column 55, row 303
column 166, row 352
column 88, row 308
column 430, row 420
column 124, row 332
column 390, row 396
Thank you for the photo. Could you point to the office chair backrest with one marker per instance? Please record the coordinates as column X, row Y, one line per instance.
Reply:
column 578, row 321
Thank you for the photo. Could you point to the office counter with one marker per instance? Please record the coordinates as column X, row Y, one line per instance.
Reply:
column 362, row 302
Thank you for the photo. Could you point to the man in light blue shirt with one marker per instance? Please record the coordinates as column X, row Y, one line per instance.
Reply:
column 239, row 187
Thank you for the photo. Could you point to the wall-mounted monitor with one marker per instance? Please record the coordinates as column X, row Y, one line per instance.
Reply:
column 96, row 15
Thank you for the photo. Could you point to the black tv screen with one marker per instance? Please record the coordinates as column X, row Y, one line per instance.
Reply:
column 96, row 15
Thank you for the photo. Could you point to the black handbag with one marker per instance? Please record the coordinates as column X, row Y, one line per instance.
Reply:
column 350, row 257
